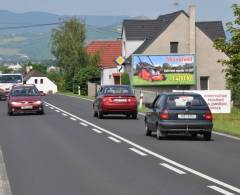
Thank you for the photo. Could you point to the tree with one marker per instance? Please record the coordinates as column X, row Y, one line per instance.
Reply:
column 68, row 48
column 125, row 79
column 4, row 69
column 231, row 48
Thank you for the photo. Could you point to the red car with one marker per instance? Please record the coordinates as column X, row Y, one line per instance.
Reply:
column 151, row 75
column 24, row 99
column 115, row 99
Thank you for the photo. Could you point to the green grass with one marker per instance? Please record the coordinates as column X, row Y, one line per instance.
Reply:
column 76, row 95
column 171, row 79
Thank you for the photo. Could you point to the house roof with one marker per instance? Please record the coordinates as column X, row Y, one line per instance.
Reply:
column 149, row 30
column 33, row 73
column 108, row 51
column 213, row 29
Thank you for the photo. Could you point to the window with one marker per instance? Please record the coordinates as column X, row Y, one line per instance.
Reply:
column 41, row 81
column 173, row 47
column 35, row 81
column 204, row 85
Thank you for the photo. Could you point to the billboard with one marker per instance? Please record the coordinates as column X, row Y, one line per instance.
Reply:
column 219, row 101
column 152, row 70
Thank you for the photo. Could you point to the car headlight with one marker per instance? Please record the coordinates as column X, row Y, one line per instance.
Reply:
column 15, row 103
column 38, row 102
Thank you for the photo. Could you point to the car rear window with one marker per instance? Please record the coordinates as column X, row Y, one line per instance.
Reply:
column 185, row 100
column 126, row 90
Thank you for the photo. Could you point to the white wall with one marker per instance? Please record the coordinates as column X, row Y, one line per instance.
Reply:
column 128, row 47
column 47, row 85
column 107, row 77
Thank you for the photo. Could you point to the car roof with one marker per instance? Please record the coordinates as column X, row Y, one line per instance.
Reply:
column 179, row 93
column 22, row 86
column 115, row 85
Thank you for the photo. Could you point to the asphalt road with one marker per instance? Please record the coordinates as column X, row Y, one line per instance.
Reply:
column 67, row 151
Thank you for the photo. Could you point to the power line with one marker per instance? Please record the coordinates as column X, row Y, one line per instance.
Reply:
column 29, row 26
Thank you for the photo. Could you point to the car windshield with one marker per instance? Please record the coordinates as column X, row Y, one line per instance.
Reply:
column 126, row 90
column 10, row 78
column 185, row 100
column 25, row 91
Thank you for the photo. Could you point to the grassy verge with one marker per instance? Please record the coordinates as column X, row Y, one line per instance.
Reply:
column 76, row 95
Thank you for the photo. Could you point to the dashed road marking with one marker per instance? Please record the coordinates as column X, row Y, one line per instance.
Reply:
column 220, row 190
column 97, row 131
column 84, row 124
column 163, row 158
column 64, row 114
column 172, row 168
column 138, row 152
column 114, row 139
column 73, row 119
column 57, row 110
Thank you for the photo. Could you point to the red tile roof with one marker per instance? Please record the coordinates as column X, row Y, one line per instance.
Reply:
column 108, row 51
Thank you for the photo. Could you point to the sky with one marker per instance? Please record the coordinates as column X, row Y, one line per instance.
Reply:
column 205, row 9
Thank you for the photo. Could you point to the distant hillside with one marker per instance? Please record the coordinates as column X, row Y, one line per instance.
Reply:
column 23, row 43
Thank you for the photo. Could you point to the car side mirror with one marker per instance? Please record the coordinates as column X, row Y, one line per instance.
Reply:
column 42, row 93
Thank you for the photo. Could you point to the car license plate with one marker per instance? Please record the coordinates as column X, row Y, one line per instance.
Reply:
column 187, row 116
column 26, row 107
column 120, row 100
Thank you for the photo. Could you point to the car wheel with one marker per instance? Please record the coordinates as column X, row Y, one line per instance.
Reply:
column 95, row 114
column 147, row 131
column 100, row 114
column 10, row 113
column 41, row 112
column 160, row 134
column 134, row 115
column 127, row 115
column 207, row 136
column 194, row 135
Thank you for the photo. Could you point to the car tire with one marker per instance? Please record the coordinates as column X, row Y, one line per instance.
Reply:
column 100, row 114
column 207, row 136
column 160, row 134
column 10, row 113
column 41, row 112
column 134, row 116
column 147, row 130
column 95, row 114
column 194, row 135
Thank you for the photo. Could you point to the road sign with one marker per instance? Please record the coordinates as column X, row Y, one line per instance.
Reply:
column 119, row 60
column 120, row 68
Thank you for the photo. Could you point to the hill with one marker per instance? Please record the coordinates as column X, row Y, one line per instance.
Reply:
column 22, row 43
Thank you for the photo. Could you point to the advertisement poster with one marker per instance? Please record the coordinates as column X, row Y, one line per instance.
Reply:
column 219, row 101
column 152, row 70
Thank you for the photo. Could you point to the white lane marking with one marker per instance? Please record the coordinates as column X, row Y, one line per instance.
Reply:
column 57, row 110
column 51, row 108
column 76, row 97
column 73, row 119
column 46, row 105
column 172, row 168
column 220, row 190
column 97, row 131
column 84, row 124
column 138, row 151
column 64, row 114
column 5, row 188
column 114, row 139
column 183, row 167
column 225, row 135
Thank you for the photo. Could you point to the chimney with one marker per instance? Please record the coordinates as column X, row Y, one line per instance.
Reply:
column 192, row 29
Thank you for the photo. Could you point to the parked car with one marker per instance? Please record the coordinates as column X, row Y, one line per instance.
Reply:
column 25, row 99
column 115, row 99
column 179, row 113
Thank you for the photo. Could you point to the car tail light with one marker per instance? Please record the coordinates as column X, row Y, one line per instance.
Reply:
column 107, row 99
column 208, row 115
column 164, row 115
column 132, row 99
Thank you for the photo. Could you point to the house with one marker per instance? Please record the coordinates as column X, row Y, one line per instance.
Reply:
column 14, row 67
column 177, row 34
column 108, row 51
column 40, row 81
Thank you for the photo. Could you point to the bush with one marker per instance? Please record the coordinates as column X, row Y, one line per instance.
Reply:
column 125, row 79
